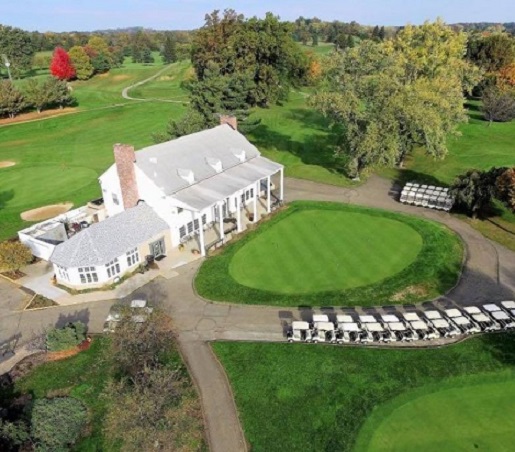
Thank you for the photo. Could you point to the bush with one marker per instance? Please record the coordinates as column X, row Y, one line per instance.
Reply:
column 56, row 423
column 64, row 338
column 14, row 255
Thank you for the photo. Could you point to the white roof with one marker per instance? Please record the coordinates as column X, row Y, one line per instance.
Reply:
column 432, row 315
column 367, row 319
column 440, row 323
column 419, row 325
column 389, row 318
column 453, row 312
column 500, row 315
column 508, row 304
column 325, row 326
column 299, row 325
column 397, row 326
column 472, row 310
column 481, row 318
column 411, row 316
column 461, row 320
column 491, row 307
column 350, row 327
column 343, row 318
column 374, row 327
column 320, row 318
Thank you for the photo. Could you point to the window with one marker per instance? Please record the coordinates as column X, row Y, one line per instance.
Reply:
column 88, row 275
column 115, row 199
column 251, row 192
column 190, row 227
column 113, row 268
column 204, row 219
column 182, row 231
column 180, row 210
column 195, row 225
column 63, row 273
column 243, row 198
column 132, row 257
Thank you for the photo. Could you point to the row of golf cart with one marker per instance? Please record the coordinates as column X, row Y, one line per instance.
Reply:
column 427, row 196
column 405, row 327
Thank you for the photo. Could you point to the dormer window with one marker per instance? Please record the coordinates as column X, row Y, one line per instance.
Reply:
column 240, row 155
column 216, row 164
column 187, row 175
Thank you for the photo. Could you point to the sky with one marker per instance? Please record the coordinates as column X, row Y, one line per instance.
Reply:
column 90, row 15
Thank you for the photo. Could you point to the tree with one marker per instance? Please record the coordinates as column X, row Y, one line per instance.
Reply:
column 169, row 52
column 493, row 51
column 506, row 77
column 12, row 100
column 382, row 34
column 100, row 55
column 81, row 62
column 56, row 423
column 375, row 33
column 58, row 92
column 146, row 56
column 474, row 190
column 387, row 98
column 61, row 66
column 14, row 255
column 505, row 187
column 498, row 105
column 191, row 122
column 49, row 92
column 19, row 48
column 37, row 94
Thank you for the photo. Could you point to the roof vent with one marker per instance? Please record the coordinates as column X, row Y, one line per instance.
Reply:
column 240, row 155
column 187, row 175
column 216, row 164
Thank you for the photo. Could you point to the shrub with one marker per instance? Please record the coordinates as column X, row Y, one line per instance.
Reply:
column 505, row 185
column 14, row 255
column 56, row 423
column 64, row 338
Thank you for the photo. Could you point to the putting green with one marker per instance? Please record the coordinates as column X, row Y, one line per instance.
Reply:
column 323, row 250
column 472, row 417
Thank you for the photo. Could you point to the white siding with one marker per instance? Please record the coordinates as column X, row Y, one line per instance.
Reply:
column 110, row 184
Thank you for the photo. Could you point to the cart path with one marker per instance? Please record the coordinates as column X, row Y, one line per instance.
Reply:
column 488, row 275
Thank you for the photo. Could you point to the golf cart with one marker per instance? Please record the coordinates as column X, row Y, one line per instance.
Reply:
column 509, row 307
column 484, row 322
column 374, row 330
column 463, row 323
column 424, row 331
column 300, row 332
column 348, row 329
column 324, row 332
column 499, row 316
column 440, row 324
column 138, row 310
column 399, row 329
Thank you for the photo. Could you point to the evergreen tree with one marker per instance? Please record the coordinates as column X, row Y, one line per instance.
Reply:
column 169, row 52
column 350, row 42
column 375, row 33
column 147, row 56
column 382, row 34
column 19, row 48
column 11, row 99
column 36, row 94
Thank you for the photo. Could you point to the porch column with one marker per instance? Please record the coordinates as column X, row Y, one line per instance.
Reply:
column 221, row 217
column 201, row 235
column 268, row 194
column 281, row 195
column 256, row 194
column 238, row 212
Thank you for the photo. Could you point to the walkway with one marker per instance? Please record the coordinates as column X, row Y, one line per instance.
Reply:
column 488, row 275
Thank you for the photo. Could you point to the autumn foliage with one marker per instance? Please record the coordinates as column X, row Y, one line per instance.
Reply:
column 506, row 76
column 61, row 66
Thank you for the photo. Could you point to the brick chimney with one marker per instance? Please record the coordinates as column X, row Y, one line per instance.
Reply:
column 229, row 120
column 124, row 158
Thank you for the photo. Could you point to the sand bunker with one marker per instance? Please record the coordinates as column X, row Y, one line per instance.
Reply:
column 6, row 163
column 46, row 212
column 120, row 77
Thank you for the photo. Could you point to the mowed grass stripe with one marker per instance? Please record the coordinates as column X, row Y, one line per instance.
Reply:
column 317, row 250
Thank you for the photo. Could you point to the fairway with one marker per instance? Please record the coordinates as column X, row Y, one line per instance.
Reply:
column 317, row 398
column 480, row 416
column 332, row 254
column 320, row 250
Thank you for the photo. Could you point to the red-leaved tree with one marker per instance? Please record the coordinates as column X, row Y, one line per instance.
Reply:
column 61, row 65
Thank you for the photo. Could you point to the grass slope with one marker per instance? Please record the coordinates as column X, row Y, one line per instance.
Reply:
column 454, row 418
column 316, row 250
column 433, row 272
column 60, row 159
column 315, row 398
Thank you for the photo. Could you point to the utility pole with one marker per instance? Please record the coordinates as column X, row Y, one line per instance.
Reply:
column 7, row 64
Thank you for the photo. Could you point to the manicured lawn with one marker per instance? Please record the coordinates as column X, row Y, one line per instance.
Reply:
column 329, row 254
column 478, row 416
column 317, row 250
column 313, row 398
column 60, row 159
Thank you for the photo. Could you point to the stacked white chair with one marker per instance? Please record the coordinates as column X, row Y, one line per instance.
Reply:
column 427, row 196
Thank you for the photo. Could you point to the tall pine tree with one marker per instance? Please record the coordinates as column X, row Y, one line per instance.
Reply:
column 169, row 52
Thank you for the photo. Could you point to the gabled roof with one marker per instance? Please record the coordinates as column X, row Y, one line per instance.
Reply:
column 202, row 153
column 102, row 242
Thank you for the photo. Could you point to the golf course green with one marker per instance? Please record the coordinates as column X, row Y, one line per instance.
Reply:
column 319, row 250
column 331, row 254
column 479, row 416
